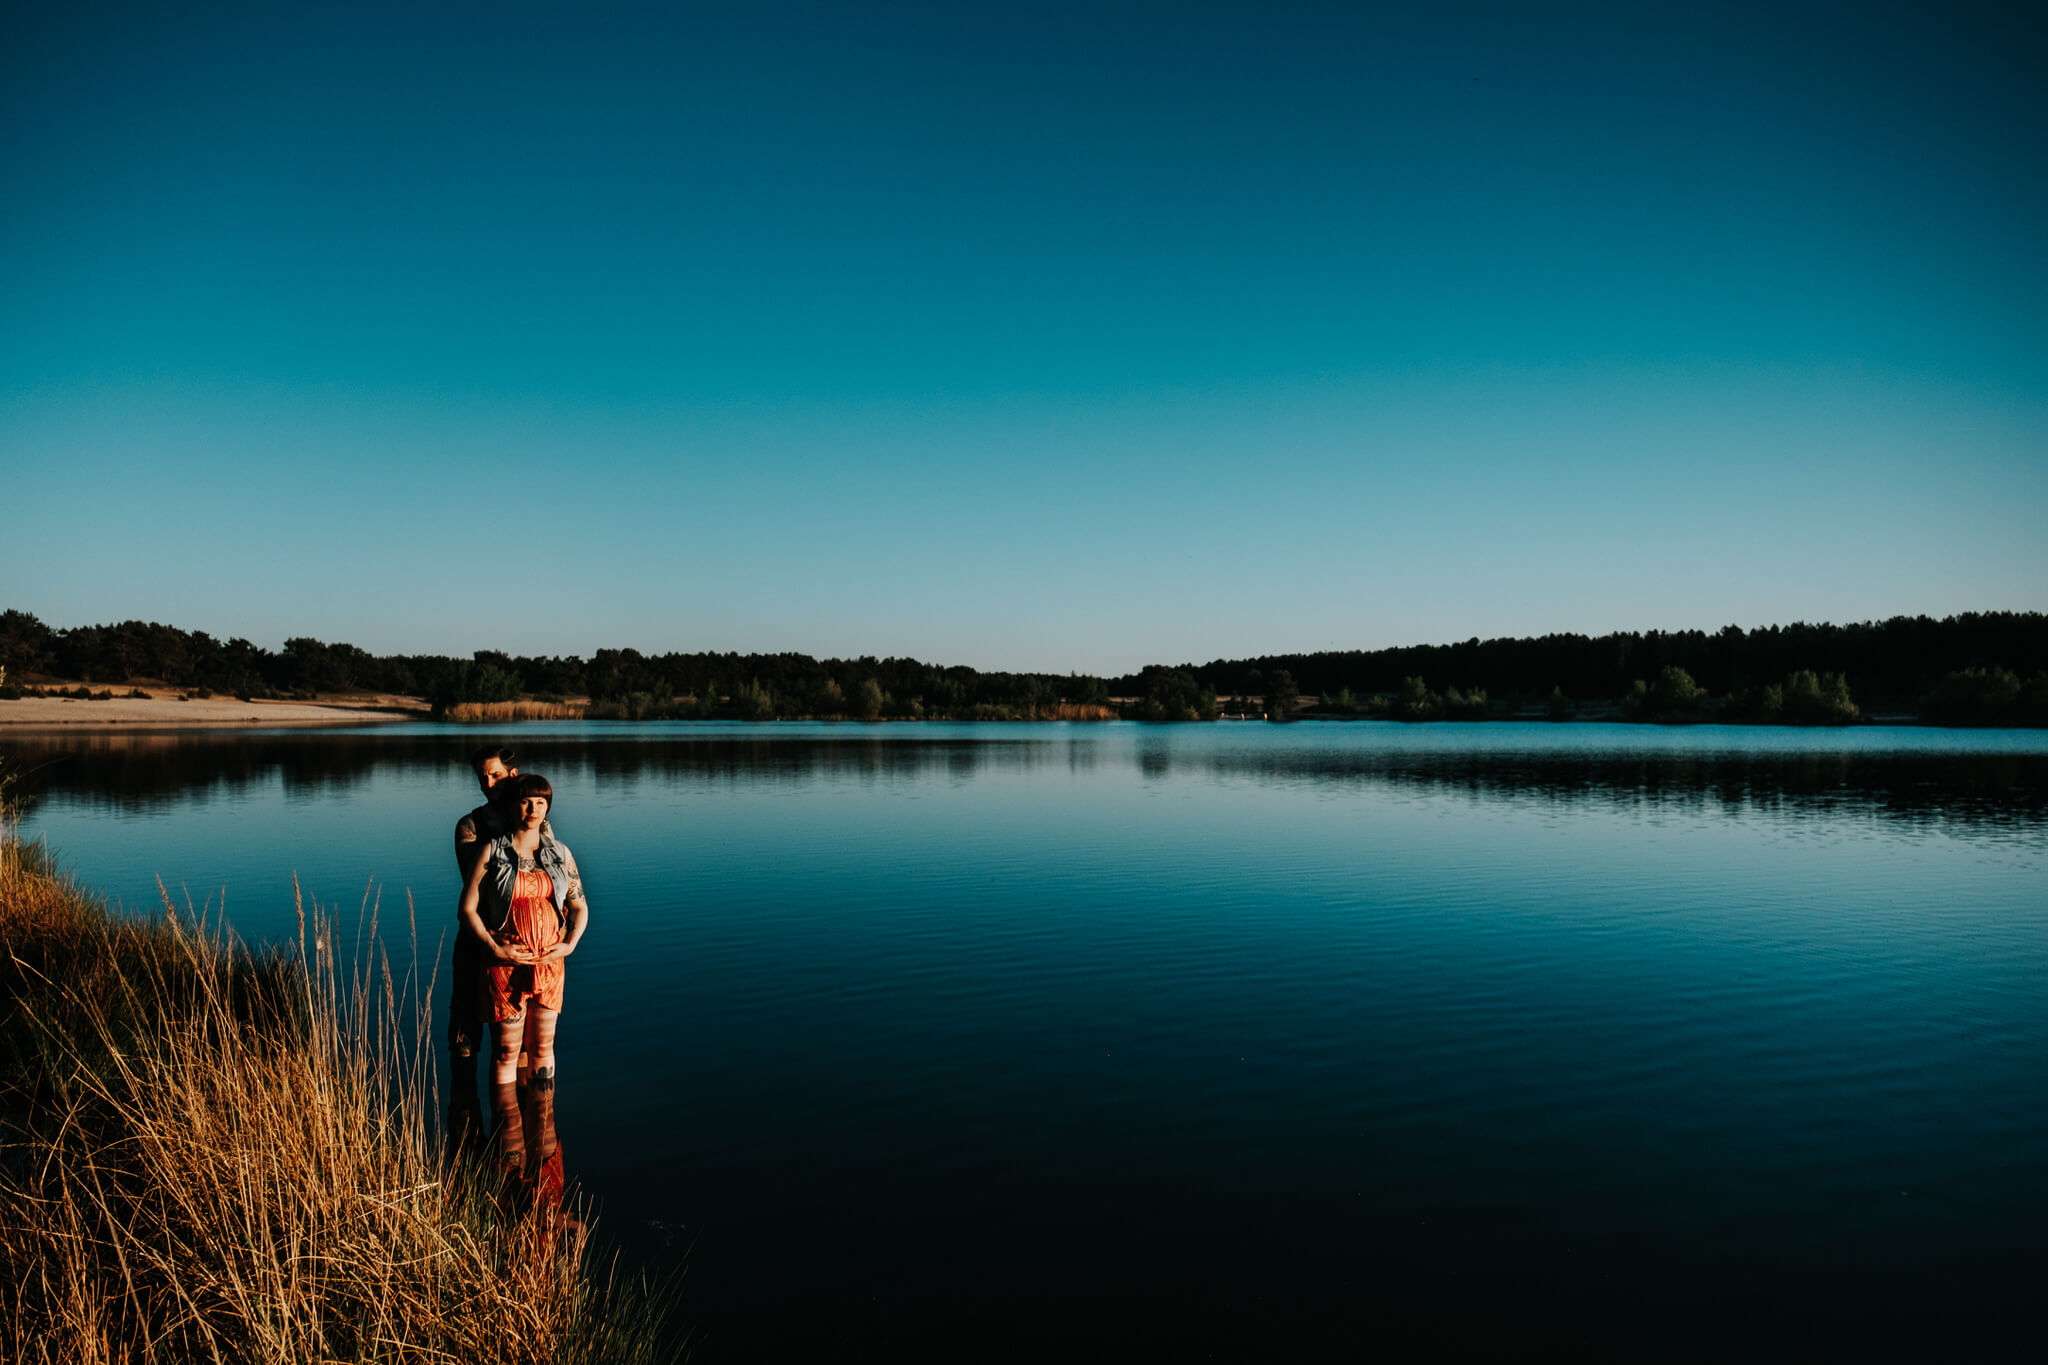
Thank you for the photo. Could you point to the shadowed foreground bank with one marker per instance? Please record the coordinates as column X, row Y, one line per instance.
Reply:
column 212, row 1155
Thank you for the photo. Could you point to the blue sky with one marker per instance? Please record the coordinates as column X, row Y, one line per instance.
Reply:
column 1062, row 338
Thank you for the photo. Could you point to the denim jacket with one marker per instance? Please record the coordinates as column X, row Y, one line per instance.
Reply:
column 501, row 876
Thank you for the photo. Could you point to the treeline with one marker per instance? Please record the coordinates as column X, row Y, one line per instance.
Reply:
column 1673, row 696
column 1975, row 668
column 1986, row 668
column 621, row 683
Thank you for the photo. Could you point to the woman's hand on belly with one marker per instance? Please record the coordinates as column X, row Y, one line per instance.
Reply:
column 511, row 954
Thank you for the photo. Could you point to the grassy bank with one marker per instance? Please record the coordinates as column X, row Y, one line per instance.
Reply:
column 214, row 1155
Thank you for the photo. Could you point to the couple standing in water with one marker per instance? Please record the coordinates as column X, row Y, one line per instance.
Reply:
column 522, row 914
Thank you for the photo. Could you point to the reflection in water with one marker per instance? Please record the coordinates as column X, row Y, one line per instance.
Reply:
column 523, row 1148
column 1966, row 788
column 527, row 1149
column 1969, row 784
column 136, row 770
column 1036, row 1025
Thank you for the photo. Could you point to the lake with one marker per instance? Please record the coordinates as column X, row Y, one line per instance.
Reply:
column 1073, row 1041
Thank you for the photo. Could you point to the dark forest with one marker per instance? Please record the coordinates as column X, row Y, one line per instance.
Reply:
column 1974, row 668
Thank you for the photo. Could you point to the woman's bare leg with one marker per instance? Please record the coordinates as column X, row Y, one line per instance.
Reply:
column 530, row 1047
column 543, row 1044
column 506, row 1037
column 511, row 1131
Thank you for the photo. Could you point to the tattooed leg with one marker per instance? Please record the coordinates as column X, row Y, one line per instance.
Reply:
column 529, row 1047
column 505, row 1048
column 544, row 1044
column 511, row 1130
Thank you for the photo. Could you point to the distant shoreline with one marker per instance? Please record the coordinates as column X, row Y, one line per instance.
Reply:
column 168, row 712
column 1970, row 669
column 33, row 714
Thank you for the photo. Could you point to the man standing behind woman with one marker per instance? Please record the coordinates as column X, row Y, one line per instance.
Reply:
column 494, row 767
column 523, row 905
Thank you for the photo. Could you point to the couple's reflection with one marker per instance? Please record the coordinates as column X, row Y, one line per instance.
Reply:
column 523, row 1146
column 526, row 1146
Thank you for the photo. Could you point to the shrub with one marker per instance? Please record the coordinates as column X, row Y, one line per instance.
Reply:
column 1674, row 696
column 1415, row 702
column 1172, row 695
column 1283, row 694
column 1817, row 699
column 1675, row 692
column 1978, row 696
column 1471, row 705
column 751, row 701
column 1756, row 705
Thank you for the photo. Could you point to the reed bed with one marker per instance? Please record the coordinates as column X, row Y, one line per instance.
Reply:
column 215, row 1155
column 1072, row 710
column 516, row 710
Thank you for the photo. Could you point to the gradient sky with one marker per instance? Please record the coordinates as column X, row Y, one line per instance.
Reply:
column 1047, row 337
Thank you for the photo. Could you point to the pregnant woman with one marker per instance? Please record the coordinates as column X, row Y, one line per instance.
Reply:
column 524, row 903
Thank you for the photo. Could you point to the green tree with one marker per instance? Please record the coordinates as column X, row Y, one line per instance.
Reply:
column 1085, row 691
column 1972, row 696
column 1281, row 695
column 1472, row 705
column 869, row 699
column 460, row 680
column 751, row 701
column 1173, row 694
column 1674, row 692
column 1415, row 702
column 1817, row 699
column 2031, row 708
column 26, row 644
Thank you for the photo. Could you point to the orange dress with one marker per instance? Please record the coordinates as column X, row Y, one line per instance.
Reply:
column 533, row 924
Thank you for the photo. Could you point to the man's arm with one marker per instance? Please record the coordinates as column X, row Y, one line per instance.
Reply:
column 468, row 847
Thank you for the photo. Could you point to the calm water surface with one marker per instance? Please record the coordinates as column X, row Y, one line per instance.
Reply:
column 1098, row 1038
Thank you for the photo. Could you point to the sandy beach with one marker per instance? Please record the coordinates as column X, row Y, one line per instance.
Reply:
column 163, row 709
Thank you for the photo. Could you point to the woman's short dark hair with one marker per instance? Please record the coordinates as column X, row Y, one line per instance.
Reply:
column 531, row 784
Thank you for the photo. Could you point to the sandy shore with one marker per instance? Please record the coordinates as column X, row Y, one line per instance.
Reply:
column 164, row 710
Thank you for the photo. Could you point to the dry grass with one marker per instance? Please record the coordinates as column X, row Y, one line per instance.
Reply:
column 1073, row 710
column 214, row 1156
column 516, row 710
